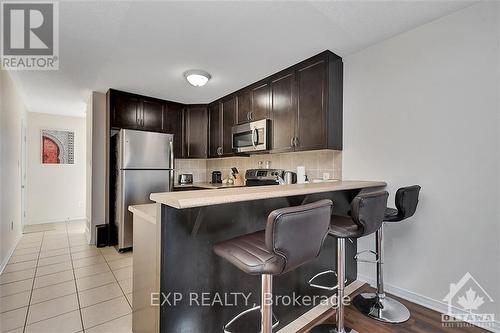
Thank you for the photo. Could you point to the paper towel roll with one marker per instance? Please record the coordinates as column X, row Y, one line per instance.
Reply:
column 301, row 174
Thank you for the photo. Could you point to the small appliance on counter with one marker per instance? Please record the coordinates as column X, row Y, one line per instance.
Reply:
column 260, row 177
column 216, row 177
column 290, row 177
column 185, row 179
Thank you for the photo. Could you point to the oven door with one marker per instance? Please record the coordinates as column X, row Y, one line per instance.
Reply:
column 250, row 137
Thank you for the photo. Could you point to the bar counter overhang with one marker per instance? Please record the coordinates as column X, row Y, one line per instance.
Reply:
column 190, row 223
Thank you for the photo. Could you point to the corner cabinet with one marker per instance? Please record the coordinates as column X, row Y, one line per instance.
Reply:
column 196, row 124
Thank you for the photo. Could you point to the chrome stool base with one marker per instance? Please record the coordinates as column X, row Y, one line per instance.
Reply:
column 248, row 321
column 385, row 309
column 331, row 328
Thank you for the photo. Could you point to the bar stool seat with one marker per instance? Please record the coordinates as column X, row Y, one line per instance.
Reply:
column 344, row 227
column 293, row 237
column 249, row 253
column 391, row 214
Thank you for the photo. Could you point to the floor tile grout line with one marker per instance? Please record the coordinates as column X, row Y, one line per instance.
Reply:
column 76, row 285
column 109, row 321
column 119, row 285
column 32, row 286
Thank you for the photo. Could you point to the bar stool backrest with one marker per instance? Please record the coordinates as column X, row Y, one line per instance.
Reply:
column 407, row 201
column 297, row 233
column 368, row 211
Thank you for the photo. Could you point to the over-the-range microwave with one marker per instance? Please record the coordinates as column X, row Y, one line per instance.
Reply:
column 251, row 136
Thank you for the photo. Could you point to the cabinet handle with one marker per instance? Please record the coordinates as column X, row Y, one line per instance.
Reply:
column 219, row 151
column 296, row 141
column 248, row 115
column 251, row 115
column 292, row 142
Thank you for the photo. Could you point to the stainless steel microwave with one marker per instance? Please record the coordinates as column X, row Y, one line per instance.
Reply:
column 251, row 136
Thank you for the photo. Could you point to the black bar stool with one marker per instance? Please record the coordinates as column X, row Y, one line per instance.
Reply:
column 377, row 305
column 293, row 236
column 367, row 213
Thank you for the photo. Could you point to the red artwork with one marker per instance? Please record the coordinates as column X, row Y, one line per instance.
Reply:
column 50, row 153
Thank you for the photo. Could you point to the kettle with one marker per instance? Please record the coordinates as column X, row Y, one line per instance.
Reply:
column 290, row 177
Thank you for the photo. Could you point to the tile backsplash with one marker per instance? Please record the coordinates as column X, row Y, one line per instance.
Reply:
column 316, row 163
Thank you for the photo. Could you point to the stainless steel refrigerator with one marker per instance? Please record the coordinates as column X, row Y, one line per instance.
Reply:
column 144, row 165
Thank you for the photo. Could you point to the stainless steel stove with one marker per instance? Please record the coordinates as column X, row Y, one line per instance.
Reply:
column 261, row 177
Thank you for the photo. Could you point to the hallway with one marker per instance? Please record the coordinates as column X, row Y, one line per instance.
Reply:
column 56, row 282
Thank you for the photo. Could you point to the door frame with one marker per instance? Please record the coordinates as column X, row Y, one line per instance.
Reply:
column 23, row 171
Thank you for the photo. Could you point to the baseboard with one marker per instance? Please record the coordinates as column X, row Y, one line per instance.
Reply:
column 72, row 219
column 9, row 254
column 424, row 301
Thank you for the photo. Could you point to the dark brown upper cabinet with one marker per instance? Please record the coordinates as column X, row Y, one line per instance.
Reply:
column 228, row 121
column 260, row 102
column 283, row 115
column 303, row 102
column 244, row 100
column 196, row 124
column 124, row 109
column 173, row 121
column 215, row 130
column 152, row 116
column 306, row 105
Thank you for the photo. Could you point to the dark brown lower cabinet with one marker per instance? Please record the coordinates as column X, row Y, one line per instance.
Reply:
column 196, row 120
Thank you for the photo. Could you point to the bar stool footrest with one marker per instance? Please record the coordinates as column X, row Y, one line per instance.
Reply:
column 326, row 280
column 248, row 321
column 330, row 328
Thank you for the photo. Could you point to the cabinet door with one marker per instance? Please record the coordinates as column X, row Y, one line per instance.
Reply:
column 196, row 131
column 214, row 130
column 311, row 101
column 283, row 112
column 152, row 115
column 174, row 124
column 244, row 106
column 260, row 102
column 125, row 110
column 228, row 121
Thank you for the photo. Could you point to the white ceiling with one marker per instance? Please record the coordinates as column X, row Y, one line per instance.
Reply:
column 145, row 47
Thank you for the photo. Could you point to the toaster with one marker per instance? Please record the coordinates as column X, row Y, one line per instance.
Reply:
column 185, row 178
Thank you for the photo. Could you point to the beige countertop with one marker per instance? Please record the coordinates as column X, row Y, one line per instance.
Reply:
column 189, row 199
column 206, row 185
column 146, row 211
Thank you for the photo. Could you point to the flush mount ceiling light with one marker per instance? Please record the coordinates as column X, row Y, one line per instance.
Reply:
column 196, row 77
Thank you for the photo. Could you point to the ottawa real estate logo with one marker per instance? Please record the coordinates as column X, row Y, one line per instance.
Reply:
column 466, row 302
column 30, row 35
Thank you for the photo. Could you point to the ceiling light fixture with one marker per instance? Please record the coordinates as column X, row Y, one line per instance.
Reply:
column 196, row 77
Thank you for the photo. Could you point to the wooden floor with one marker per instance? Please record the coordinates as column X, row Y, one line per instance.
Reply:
column 423, row 320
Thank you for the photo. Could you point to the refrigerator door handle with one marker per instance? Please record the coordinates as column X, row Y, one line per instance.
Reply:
column 171, row 147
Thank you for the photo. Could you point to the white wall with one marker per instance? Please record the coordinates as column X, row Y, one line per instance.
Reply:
column 97, row 136
column 423, row 108
column 55, row 192
column 12, row 114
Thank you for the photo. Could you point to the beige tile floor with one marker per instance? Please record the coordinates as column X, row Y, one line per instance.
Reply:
column 56, row 283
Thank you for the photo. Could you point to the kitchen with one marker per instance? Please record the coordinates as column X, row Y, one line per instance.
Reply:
column 242, row 167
